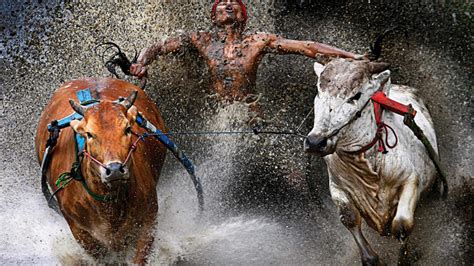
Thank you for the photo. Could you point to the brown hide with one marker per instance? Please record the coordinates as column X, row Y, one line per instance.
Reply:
column 104, row 226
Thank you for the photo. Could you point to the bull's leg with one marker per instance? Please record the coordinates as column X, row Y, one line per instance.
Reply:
column 402, row 224
column 145, row 239
column 143, row 248
column 88, row 242
column 351, row 219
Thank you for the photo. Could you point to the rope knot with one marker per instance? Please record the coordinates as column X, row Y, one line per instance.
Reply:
column 381, row 128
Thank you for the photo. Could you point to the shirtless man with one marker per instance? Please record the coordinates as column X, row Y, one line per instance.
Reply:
column 232, row 56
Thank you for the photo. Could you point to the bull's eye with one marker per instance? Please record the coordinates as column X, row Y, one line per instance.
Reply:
column 128, row 130
column 89, row 135
column 355, row 97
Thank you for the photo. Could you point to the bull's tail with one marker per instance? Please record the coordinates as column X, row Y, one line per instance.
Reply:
column 52, row 203
column 118, row 59
column 376, row 48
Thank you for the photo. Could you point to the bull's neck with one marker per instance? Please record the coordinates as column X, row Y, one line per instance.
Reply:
column 364, row 184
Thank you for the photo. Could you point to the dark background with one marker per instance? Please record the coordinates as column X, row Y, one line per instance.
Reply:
column 45, row 43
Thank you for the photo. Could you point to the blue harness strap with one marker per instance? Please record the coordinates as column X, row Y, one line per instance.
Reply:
column 80, row 142
column 85, row 99
column 158, row 134
column 84, row 95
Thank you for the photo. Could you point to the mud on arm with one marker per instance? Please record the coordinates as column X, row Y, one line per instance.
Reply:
column 171, row 45
column 310, row 49
column 148, row 55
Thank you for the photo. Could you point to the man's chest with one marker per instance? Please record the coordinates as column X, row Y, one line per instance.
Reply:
column 220, row 53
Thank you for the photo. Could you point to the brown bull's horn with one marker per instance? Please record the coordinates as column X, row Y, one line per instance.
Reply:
column 130, row 100
column 77, row 107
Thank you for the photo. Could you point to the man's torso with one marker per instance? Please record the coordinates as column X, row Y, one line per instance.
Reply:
column 232, row 65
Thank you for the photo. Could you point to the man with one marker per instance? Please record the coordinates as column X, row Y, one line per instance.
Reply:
column 232, row 56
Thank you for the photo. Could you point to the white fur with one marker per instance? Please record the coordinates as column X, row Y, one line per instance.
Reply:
column 318, row 68
column 375, row 182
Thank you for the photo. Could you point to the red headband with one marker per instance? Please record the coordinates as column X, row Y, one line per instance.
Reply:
column 242, row 5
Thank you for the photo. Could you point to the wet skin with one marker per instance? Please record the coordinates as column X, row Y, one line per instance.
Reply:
column 231, row 56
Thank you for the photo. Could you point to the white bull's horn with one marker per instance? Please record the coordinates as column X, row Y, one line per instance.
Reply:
column 383, row 77
column 77, row 107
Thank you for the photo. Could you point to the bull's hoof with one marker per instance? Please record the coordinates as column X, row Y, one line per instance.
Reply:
column 401, row 228
column 372, row 261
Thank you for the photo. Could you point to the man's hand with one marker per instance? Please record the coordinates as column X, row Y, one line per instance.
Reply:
column 138, row 70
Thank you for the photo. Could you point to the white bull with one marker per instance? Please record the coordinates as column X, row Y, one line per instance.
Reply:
column 381, row 188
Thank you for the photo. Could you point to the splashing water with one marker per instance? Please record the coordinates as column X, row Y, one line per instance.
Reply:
column 225, row 234
column 182, row 235
column 215, row 237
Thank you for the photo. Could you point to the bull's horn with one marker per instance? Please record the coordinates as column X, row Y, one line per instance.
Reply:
column 130, row 100
column 377, row 67
column 77, row 107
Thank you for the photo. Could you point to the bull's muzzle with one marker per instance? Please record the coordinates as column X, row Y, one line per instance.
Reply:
column 114, row 172
column 315, row 144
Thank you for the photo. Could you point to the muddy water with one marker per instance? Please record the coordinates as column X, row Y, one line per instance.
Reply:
column 267, row 203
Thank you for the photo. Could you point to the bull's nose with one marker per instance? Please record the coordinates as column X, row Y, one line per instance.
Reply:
column 315, row 144
column 115, row 171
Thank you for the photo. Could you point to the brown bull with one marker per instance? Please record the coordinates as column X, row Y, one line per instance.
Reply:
column 126, row 221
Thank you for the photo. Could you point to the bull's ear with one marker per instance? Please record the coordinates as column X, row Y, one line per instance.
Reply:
column 132, row 113
column 77, row 126
column 377, row 67
column 318, row 69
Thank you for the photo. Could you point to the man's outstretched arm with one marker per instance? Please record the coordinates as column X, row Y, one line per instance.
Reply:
column 148, row 55
column 308, row 48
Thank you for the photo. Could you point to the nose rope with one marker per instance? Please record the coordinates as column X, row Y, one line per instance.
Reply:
column 133, row 147
column 88, row 155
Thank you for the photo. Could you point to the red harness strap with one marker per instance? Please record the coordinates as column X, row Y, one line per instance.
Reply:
column 391, row 105
column 381, row 102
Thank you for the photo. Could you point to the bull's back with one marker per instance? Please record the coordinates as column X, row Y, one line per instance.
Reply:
column 103, row 89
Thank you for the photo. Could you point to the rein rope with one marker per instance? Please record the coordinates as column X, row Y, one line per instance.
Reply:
column 211, row 133
column 65, row 178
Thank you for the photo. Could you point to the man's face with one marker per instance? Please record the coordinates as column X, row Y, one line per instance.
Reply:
column 228, row 12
